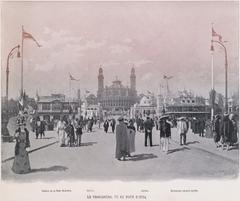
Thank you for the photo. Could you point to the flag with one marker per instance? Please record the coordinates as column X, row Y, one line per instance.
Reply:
column 215, row 34
column 21, row 101
column 72, row 78
column 26, row 35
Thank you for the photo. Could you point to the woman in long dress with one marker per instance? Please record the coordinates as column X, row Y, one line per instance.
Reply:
column 131, row 136
column 226, row 131
column 70, row 133
column 21, row 164
column 106, row 125
column 61, row 132
column 121, row 140
column 217, row 130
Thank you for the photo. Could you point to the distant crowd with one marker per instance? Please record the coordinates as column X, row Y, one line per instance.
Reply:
column 70, row 129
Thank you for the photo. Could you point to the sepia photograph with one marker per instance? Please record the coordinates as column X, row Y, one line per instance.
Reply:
column 132, row 91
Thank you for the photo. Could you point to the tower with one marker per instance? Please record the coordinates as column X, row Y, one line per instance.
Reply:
column 100, row 83
column 133, row 80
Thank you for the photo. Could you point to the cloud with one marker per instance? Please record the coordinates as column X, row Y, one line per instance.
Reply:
column 58, row 39
column 119, row 49
column 127, row 40
column 46, row 30
column 142, row 62
column 92, row 44
column 111, row 63
column 146, row 77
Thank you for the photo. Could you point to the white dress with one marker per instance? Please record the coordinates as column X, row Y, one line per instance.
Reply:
column 61, row 132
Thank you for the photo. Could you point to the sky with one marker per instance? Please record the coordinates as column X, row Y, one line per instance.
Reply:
column 157, row 38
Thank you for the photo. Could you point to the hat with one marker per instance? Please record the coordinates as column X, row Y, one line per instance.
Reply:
column 181, row 118
column 131, row 121
column 120, row 118
column 231, row 116
column 21, row 121
column 164, row 117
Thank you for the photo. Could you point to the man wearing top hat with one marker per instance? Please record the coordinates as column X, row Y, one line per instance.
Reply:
column 148, row 125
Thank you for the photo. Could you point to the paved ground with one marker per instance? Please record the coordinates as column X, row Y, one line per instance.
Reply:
column 95, row 160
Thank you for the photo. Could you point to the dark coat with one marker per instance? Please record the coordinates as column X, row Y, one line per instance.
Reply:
column 217, row 130
column 226, row 129
column 70, row 130
column 27, row 142
column 79, row 127
column 122, row 146
column 106, row 125
column 165, row 129
column 148, row 125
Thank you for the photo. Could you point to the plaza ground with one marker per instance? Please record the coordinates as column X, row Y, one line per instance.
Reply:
column 94, row 160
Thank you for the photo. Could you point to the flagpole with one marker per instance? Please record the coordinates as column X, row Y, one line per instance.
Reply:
column 212, row 77
column 69, row 90
column 22, row 65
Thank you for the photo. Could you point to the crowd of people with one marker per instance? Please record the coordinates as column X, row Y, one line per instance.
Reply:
column 111, row 123
column 225, row 131
column 70, row 130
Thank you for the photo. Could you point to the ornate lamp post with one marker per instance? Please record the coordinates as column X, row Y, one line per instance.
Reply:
column 6, row 117
column 226, row 73
column 7, row 70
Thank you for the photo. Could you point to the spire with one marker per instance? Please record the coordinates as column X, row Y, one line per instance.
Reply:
column 133, row 70
column 133, row 79
column 37, row 95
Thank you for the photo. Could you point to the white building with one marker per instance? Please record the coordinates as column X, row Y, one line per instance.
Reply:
column 89, row 111
column 146, row 107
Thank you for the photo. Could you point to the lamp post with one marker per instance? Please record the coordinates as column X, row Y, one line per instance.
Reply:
column 6, row 117
column 7, row 71
column 226, row 73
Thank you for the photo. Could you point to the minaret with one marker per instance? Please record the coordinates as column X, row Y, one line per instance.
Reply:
column 133, row 80
column 37, row 96
column 100, row 83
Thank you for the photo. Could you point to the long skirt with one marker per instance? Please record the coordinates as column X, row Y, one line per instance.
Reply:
column 122, row 146
column 62, row 138
column 131, row 141
column 216, row 137
column 21, row 164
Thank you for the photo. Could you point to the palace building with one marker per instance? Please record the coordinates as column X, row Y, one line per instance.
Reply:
column 184, row 104
column 54, row 106
column 117, row 97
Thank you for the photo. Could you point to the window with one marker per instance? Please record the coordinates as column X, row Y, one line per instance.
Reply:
column 66, row 106
column 46, row 106
column 56, row 106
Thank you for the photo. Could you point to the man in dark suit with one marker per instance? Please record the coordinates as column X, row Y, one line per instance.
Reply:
column 148, row 126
